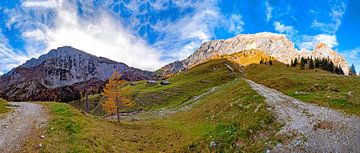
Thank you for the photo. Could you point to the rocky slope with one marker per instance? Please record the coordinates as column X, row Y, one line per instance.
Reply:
column 60, row 75
column 275, row 45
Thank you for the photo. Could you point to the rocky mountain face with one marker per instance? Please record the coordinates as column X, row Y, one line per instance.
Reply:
column 275, row 45
column 62, row 75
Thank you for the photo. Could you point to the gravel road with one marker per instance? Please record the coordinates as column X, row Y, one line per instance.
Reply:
column 15, row 127
column 315, row 128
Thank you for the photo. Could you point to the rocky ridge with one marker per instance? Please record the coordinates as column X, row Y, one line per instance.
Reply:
column 275, row 45
column 60, row 75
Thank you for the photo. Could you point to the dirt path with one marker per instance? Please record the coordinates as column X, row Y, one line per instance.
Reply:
column 316, row 129
column 187, row 105
column 16, row 126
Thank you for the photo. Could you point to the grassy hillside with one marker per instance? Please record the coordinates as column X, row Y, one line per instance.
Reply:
column 185, row 85
column 234, row 116
column 315, row 86
column 3, row 108
column 95, row 104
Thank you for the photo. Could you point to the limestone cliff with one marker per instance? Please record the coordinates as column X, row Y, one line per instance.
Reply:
column 274, row 45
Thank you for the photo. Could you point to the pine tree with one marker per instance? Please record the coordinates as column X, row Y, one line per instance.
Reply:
column 295, row 62
column 352, row 70
column 317, row 63
column 341, row 71
column 311, row 64
column 116, row 95
column 302, row 63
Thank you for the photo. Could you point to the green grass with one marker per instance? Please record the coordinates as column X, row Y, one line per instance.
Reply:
column 183, row 86
column 71, row 131
column 95, row 104
column 3, row 108
column 314, row 86
column 234, row 116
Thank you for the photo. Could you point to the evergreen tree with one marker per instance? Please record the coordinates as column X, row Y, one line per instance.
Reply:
column 341, row 71
column 317, row 63
column 352, row 70
column 302, row 63
column 311, row 64
column 270, row 62
column 295, row 62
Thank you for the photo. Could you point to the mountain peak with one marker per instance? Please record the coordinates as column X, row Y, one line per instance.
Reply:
column 60, row 68
column 273, row 44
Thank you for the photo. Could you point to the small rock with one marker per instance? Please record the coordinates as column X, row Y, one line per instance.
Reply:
column 267, row 151
column 213, row 144
column 349, row 94
column 4, row 127
column 42, row 136
column 40, row 145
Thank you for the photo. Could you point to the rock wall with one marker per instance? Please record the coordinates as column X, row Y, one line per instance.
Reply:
column 275, row 45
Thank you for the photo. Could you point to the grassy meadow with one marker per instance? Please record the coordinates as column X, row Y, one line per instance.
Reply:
column 234, row 116
column 311, row 85
column 3, row 108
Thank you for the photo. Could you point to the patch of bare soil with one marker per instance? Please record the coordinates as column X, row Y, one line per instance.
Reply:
column 18, row 125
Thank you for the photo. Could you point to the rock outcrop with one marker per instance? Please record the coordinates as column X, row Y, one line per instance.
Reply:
column 323, row 51
column 60, row 75
column 275, row 45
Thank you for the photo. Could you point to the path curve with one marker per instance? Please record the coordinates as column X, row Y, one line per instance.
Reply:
column 15, row 127
column 316, row 128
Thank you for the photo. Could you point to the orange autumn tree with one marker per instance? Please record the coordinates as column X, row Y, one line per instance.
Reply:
column 116, row 95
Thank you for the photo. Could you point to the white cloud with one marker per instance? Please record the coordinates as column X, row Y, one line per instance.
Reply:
column 98, row 34
column 352, row 56
column 283, row 28
column 236, row 24
column 186, row 34
column 36, row 34
column 101, row 32
column 41, row 3
column 9, row 57
column 104, row 37
column 309, row 42
column 332, row 25
column 268, row 11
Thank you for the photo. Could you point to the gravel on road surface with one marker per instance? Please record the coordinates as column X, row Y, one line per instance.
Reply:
column 17, row 126
column 315, row 128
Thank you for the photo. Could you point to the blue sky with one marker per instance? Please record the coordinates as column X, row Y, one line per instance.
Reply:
column 150, row 33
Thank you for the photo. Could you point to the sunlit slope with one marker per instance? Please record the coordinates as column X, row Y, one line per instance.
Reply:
column 246, row 57
column 234, row 116
column 315, row 86
column 185, row 85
